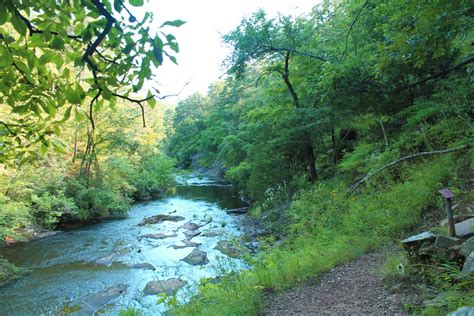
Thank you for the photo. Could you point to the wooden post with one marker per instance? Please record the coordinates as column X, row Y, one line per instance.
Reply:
column 448, row 195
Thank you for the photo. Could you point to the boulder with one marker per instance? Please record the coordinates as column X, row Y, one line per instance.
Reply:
column 196, row 258
column 463, row 311
column 228, row 249
column 419, row 239
column 109, row 259
column 238, row 211
column 191, row 233
column 457, row 219
column 467, row 247
column 143, row 265
column 96, row 301
column 169, row 286
column 447, row 242
column 465, row 229
column 158, row 236
column 468, row 266
column 187, row 243
column 212, row 233
column 422, row 240
column 190, row 226
column 160, row 218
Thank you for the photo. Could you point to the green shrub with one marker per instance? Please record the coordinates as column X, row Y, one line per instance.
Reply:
column 48, row 209
column 153, row 176
column 13, row 216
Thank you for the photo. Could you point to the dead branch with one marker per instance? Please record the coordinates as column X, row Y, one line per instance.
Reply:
column 355, row 186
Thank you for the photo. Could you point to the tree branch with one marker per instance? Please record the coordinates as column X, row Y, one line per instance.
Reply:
column 7, row 126
column 466, row 61
column 286, row 78
column 355, row 186
column 290, row 50
column 352, row 25
column 33, row 30
column 91, row 48
column 91, row 108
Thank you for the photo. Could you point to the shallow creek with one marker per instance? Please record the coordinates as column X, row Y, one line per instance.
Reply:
column 103, row 268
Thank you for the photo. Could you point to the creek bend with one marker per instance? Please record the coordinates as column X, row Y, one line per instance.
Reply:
column 103, row 268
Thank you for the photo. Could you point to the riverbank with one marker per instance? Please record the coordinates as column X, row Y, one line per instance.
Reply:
column 324, row 228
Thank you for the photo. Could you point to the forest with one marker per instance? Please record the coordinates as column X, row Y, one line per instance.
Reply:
column 339, row 126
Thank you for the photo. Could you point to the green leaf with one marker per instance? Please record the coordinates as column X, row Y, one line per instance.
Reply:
column 57, row 43
column 73, row 95
column 173, row 59
column 106, row 93
column 136, row 3
column 21, row 109
column 6, row 58
column 175, row 23
column 118, row 5
column 151, row 101
column 3, row 15
column 158, row 54
column 19, row 25
column 67, row 114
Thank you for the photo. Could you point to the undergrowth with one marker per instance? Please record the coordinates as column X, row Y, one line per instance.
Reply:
column 327, row 229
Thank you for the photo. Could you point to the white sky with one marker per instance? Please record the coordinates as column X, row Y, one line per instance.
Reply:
column 201, row 51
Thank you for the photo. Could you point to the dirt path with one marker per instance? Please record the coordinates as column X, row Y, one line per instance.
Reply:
column 350, row 289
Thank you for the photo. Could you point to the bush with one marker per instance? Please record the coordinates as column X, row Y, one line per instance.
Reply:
column 48, row 209
column 153, row 176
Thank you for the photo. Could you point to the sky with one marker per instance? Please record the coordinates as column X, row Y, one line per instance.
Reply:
column 201, row 50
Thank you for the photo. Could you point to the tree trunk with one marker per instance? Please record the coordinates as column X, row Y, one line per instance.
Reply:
column 308, row 149
column 311, row 162
column 335, row 150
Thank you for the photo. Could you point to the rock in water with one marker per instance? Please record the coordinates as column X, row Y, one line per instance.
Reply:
column 187, row 243
column 191, row 233
column 108, row 260
column 96, row 301
column 238, row 211
column 190, row 226
column 228, row 249
column 158, row 236
column 167, row 286
column 160, row 218
column 212, row 233
column 143, row 265
column 196, row 258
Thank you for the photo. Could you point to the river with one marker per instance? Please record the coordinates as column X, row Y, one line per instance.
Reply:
column 103, row 268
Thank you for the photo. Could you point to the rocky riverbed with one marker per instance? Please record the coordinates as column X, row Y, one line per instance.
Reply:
column 163, row 246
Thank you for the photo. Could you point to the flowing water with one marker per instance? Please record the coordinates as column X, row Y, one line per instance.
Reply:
column 104, row 268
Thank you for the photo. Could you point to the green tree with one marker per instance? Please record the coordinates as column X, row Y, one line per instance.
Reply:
column 61, row 58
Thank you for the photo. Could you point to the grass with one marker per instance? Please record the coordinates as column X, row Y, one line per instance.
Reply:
column 326, row 230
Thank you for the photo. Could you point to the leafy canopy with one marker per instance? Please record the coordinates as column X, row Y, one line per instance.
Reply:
column 68, row 58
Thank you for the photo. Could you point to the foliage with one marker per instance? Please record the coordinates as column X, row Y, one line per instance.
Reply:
column 58, row 56
column 346, row 89
column 297, row 97
column 324, row 230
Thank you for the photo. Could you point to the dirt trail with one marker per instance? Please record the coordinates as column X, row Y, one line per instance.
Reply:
column 350, row 289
